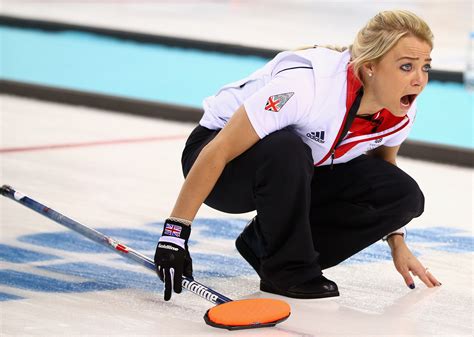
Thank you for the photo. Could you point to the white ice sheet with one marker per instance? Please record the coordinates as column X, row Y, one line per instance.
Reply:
column 65, row 286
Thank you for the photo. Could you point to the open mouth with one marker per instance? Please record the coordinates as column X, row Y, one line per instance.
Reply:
column 407, row 100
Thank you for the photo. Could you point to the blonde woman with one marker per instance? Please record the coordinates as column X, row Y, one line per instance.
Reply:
column 310, row 142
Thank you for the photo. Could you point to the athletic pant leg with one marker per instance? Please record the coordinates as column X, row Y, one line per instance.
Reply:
column 233, row 192
column 273, row 177
column 357, row 203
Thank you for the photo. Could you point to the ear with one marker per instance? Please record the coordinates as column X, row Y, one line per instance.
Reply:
column 368, row 67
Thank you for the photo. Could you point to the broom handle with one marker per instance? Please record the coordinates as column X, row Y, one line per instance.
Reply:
column 120, row 248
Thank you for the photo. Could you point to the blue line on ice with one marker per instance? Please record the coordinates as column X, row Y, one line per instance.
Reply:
column 19, row 255
column 101, row 276
column 8, row 297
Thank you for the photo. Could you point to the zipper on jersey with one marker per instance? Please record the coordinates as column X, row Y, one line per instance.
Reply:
column 332, row 158
column 346, row 125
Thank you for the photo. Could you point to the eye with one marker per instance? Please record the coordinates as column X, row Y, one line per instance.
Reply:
column 427, row 68
column 406, row 67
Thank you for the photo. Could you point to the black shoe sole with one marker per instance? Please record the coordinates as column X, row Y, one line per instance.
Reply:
column 264, row 286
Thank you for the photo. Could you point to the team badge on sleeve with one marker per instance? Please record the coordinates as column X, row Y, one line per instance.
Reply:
column 276, row 102
column 173, row 230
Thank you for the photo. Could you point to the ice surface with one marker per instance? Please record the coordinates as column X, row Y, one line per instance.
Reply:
column 54, row 282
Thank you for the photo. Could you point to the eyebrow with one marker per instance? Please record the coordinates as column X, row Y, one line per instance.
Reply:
column 414, row 58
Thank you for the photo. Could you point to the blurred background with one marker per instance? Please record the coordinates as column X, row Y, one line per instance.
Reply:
column 161, row 58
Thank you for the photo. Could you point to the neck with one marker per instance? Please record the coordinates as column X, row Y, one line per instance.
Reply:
column 368, row 104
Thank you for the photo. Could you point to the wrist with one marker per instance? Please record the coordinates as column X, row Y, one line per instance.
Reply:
column 396, row 240
column 180, row 220
column 176, row 229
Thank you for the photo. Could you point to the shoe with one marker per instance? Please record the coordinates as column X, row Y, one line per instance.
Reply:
column 319, row 287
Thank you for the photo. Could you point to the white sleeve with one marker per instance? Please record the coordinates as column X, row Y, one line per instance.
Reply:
column 400, row 137
column 282, row 102
column 402, row 230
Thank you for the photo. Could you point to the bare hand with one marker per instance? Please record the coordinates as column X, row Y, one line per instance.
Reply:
column 405, row 262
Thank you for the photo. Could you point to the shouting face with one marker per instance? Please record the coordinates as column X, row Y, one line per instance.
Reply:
column 400, row 75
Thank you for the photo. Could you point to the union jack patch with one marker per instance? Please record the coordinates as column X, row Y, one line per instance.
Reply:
column 276, row 102
column 173, row 230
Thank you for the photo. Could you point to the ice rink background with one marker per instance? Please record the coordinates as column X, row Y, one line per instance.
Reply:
column 121, row 174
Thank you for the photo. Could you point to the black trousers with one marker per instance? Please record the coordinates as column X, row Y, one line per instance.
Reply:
column 308, row 218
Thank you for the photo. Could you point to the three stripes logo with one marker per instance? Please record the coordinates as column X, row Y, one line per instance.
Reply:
column 316, row 135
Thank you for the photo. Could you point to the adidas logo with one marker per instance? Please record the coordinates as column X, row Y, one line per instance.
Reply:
column 317, row 136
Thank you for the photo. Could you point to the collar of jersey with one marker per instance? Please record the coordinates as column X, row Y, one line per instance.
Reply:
column 353, row 86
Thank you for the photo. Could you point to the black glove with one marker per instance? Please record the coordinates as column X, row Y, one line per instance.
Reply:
column 172, row 259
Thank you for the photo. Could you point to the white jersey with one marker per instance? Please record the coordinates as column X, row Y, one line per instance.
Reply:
column 306, row 92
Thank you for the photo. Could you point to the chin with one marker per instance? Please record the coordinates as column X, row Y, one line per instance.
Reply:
column 402, row 113
column 398, row 112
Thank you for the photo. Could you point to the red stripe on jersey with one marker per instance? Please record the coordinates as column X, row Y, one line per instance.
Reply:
column 353, row 85
column 376, row 123
column 343, row 149
column 379, row 122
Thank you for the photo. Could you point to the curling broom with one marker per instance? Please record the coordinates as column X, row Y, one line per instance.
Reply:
column 228, row 314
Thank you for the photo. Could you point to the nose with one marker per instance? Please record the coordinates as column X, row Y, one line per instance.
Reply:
column 419, row 78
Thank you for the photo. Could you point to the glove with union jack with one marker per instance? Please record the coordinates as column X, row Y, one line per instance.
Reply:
column 172, row 258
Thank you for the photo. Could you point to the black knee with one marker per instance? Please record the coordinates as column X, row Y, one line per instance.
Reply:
column 413, row 200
